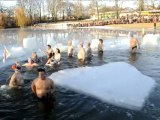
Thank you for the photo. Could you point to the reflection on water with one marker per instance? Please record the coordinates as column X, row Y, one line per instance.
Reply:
column 133, row 57
column 16, row 36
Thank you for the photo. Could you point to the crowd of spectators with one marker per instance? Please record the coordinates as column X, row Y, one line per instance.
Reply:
column 122, row 20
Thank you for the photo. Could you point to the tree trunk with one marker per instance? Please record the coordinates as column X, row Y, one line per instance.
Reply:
column 117, row 9
column 97, row 9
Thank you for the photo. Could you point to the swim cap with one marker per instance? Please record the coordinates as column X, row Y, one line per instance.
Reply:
column 14, row 67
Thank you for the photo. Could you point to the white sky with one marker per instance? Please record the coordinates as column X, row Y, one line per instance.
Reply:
column 8, row 3
column 126, row 3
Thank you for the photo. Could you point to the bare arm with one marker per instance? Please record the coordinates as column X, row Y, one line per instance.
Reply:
column 73, row 51
column 35, row 64
column 83, row 53
column 138, row 44
column 33, row 87
column 13, row 80
column 52, row 86
column 48, row 61
column 24, row 64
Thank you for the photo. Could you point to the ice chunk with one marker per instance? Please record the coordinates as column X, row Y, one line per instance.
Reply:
column 17, row 51
column 150, row 40
column 117, row 83
column 30, row 43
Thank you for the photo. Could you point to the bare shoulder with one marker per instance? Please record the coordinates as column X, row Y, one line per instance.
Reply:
column 25, row 64
column 13, row 76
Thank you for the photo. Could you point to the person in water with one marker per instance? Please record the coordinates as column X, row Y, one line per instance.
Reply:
column 35, row 57
column 70, row 49
column 55, row 59
column 30, row 65
column 134, row 44
column 81, row 53
column 89, row 51
column 16, row 80
column 50, row 59
column 42, row 86
column 100, row 46
column 49, row 50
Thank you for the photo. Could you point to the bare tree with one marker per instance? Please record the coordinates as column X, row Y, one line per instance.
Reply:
column 78, row 9
column 153, row 3
column 140, row 5
column 118, row 7
column 70, row 8
column 30, row 6
column 54, row 8
column 39, row 4
column 94, row 4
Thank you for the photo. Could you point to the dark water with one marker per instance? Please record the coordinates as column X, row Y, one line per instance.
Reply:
column 69, row 105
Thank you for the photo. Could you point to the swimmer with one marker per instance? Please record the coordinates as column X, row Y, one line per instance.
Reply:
column 49, row 50
column 30, row 65
column 81, row 53
column 134, row 44
column 89, row 51
column 54, row 60
column 100, row 46
column 16, row 80
column 50, row 59
column 70, row 49
column 42, row 86
column 35, row 57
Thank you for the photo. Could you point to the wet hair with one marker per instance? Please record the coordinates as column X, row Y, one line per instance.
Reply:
column 101, row 40
column 50, row 55
column 89, row 44
column 18, row 68
column 81, row 44
column 58, row 50
column 41, row 70
column 49, row 46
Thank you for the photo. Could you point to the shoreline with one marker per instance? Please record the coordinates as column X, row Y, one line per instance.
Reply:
column 148, row 27
column 134, row 26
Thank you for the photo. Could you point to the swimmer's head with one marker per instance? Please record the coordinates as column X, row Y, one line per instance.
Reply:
column 89, row 44
column 69, row 43
column 16, row 67
column 41, row 73
column 30, row 60
column 49, row 46
column 58, row 50
column 100, row 40
column 34, row 55
column 131, row 35
column 41, row 70
column 81, row 44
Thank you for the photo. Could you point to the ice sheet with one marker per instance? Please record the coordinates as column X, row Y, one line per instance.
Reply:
column 117, row 83
column 30, row 43
column 151, row 40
